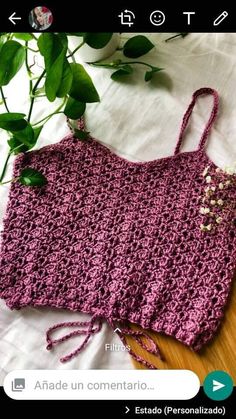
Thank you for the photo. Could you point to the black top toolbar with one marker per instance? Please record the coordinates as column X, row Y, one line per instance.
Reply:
column 123, row 17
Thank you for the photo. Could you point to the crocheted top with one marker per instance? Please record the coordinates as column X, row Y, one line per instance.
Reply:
column 152, row 243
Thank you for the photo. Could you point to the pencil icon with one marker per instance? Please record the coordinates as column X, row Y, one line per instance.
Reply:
column 220, row 18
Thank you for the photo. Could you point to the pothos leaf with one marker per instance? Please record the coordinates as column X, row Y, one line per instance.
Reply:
column 149, row 74
column 137, row 46
column 125, row 70
column 32, row 177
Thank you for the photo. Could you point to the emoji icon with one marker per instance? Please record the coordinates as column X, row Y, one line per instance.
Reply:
column 157, row 17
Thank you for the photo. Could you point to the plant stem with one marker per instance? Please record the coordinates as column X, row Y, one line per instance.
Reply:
column 33, row 94
column 97, row 64
column 5, row 167
column 31, row 49
column 28, row 69
column 56, row 112
column 4, row 99
column 46, row 118
column 36, row 39
column 75, row 50
column 8, row 181
column 71, row 55
column 138, row 62
column 182, row 34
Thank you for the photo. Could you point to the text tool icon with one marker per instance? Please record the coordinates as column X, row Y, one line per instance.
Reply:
column 127, row 18
column 220, row 18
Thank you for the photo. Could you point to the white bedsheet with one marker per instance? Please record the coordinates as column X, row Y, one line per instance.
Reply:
column 139, row 121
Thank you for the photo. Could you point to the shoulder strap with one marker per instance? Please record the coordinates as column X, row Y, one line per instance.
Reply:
column 200, row 92
column 81, row 123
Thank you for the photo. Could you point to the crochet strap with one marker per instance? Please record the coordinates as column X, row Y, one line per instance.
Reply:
column 200, row 92
column 88, row 332
column 81, row 123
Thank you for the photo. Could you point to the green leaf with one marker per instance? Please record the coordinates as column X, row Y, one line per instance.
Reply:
column 32, row 177
column 82, row 88
column 81, row 135
column 125, row 70
column 137, row 46
column 54, row 76
column 37, row 132
column 74, row 109
column 97, row 40
column 21, row 145
column 23, row 36
column 12, row 121
column 149, row 74
column 66, row 80
column 15, row 143
column 12, row 57
column 63, row 38
column 50, row 46
column 53, row 47
column 26, row 136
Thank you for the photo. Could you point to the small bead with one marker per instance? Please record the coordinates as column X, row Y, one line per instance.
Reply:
column 227, row 182
column 212, row 202
column 218, row 170
column 221, row 185
column 205, row 171
column 219, row 220
column 204, row 227
column 204, row 210
column 213, row 188
column 208, row 179
column 208, row 190
column 220, row 202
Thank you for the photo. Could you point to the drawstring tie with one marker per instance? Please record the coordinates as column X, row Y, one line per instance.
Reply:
column 91, row 330
column 152, row 346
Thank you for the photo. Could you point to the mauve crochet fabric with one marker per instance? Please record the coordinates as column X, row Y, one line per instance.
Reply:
column 122, row 240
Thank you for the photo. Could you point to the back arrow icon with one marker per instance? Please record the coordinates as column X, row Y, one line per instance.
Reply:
column 12, row 18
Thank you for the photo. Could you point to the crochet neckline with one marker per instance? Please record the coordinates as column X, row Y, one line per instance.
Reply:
column 154, row 161
column 201, row 147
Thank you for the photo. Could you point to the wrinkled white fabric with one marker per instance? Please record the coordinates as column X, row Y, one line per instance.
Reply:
column 140, row 121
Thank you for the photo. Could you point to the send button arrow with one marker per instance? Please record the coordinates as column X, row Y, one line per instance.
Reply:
column 217, row 385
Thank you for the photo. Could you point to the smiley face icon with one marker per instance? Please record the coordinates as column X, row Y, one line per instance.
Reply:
column 157, row 18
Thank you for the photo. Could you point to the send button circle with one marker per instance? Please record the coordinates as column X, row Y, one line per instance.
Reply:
column 218, row 385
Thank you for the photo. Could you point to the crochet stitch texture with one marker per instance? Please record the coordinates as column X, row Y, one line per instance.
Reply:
column 122, row 240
